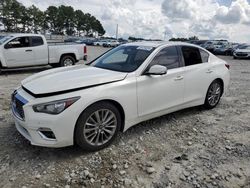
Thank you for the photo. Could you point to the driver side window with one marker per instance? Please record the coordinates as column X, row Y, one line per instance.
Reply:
column 19, row 42
column 167, row 57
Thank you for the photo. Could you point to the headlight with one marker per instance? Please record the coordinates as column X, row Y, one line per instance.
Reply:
column 55, row 107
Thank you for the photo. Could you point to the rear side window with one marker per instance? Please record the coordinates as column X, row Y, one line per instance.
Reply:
column 37, row 41
column 191, row 55
column 204, row 56
column 167, row 57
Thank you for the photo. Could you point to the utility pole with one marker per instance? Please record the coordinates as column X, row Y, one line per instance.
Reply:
column 117, row 32
column 165, row 33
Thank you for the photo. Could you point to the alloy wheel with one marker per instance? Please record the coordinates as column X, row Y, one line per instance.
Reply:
column 100, row 127
column 214, row 94
column 68, row 62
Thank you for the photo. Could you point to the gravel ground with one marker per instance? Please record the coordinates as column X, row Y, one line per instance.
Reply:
column 189, row 148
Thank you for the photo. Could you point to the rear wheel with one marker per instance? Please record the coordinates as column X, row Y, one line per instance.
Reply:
column 214, row 94
column 67, row 61
column 97, row 126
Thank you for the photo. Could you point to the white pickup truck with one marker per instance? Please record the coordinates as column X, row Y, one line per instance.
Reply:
column 24, row 50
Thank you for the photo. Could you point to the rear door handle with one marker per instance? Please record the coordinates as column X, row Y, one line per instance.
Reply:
column 28, row 50
column 209, row 71
column 179, row 78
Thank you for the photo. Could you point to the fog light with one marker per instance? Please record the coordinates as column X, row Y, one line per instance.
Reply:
column 47, row 134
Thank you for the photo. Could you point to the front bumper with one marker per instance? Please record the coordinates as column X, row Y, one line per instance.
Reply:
column 44, row 129
column 35, row 137
column 241, row 55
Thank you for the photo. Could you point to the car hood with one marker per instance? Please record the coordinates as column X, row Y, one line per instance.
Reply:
column 69, row 79
column 243, row 50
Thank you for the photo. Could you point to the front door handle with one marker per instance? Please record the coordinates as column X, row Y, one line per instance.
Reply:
column 28, row 50
column 179, row 78
column 209, row 71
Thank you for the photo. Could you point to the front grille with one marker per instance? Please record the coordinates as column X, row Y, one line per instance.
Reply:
column 241, row 54
column 17, row 105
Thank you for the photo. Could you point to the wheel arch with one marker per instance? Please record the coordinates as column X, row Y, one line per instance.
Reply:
column 115, row 103
column 68, row 54
column 222, row 83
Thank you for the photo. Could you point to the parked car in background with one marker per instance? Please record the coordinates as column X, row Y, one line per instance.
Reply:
column 1, row 26
column 220, row 50
column 223, row 49
column 122, row 41
column 24, row 50
column 242, row 52
column 198, row 42
column 239, row 46
column 111, row 43
column 212, row 45
column 209, row 45
column 132, row 83
column 86, row 41
column 72, row 39
column 100, row 42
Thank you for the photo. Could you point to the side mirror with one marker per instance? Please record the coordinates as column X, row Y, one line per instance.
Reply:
column 157, row 70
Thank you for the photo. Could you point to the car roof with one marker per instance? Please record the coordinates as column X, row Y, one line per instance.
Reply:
column 156, row 44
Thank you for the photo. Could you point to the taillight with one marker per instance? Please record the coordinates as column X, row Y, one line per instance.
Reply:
column 228, row 66
column 85, row 49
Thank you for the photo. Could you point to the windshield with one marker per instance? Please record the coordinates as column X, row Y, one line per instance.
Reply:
column 124, row 58
column 244, row 47
column 4, row 39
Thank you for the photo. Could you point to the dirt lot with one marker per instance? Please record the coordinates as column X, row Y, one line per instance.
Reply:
column 189, row 148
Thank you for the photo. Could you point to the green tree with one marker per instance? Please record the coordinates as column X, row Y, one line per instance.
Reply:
column 51, row 16
column 11, row 14
column 60, row 20
column 25, row 19
column 193, row 38
column 178, row 39
column 66, row 19
column 37, row 18
column 80, row 21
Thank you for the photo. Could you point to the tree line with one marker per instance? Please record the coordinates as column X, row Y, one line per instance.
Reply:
column 57, row 20
column 184, row 39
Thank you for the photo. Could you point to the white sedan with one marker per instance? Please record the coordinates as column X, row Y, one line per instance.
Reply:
column 242, row 52
column 89, row 105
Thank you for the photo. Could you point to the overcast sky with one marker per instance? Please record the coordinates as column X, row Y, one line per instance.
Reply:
column 207, row 19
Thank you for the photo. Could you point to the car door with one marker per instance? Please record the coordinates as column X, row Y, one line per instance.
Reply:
column 160, row 92
column 199, row 74
column 18, row 52
column 40, row 50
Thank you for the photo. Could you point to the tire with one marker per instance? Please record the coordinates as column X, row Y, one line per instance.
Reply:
column 235, row 57
column 102, row 135
column 67, row 60
column 213, row 95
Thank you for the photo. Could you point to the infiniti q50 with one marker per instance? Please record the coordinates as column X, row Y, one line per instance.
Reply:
column 89, row 104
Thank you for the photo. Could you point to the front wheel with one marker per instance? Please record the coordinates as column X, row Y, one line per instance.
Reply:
column 97, row 126
column 214, row 94
column 67, row 61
